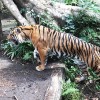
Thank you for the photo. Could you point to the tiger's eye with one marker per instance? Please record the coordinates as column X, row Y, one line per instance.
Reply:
column 18, row 30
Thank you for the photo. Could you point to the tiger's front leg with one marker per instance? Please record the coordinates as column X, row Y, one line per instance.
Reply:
column 43, row 53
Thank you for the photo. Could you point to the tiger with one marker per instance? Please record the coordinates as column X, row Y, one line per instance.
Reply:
column 49, row 42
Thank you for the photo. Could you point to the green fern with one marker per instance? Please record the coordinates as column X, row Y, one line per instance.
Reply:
column 69, row 91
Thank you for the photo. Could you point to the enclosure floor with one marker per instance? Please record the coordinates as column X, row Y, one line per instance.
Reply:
column 22, row 82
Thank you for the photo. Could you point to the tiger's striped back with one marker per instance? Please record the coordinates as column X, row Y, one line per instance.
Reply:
column 63, row 44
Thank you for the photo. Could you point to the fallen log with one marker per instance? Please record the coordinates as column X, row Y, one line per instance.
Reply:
column 54, row 90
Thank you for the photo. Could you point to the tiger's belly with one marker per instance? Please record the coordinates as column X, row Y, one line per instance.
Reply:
column 58, row 54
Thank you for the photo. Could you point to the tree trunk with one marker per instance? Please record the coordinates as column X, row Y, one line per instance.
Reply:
column 15, row 12
column 56, row 11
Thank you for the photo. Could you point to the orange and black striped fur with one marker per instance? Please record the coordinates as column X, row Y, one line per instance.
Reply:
column 48, row 42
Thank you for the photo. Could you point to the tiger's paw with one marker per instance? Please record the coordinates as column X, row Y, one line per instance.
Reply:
column 79, row 79
column 40, row 68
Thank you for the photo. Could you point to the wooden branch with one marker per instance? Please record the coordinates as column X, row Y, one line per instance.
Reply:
column 54, row 90
column 27, row 7
column 15, row 12
column 57, row 11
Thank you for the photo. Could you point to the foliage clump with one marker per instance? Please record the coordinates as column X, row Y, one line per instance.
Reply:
column 70, row 91
column 23, row 50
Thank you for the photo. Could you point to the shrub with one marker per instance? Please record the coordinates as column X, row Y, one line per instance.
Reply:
column 70, row 91
column 22, row 50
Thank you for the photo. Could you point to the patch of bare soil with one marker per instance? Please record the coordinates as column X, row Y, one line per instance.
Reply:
column 22, row 82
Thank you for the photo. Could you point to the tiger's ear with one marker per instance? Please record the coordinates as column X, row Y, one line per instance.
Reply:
column 23, row 24
column 11, row 30
column 18, row 30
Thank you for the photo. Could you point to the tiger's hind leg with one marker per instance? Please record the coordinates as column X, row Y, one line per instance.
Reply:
column 43, row 54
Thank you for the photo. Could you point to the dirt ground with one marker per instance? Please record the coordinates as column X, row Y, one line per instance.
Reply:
column 21, row 82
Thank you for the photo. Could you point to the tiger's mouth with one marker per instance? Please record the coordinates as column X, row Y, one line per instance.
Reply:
column 15, row 41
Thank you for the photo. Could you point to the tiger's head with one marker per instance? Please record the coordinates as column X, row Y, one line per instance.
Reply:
column 19, row 34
